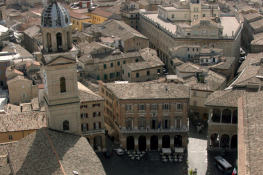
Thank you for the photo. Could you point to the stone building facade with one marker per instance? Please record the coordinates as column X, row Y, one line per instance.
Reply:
column 206, row 32
column 92, row 117
column 143, row 122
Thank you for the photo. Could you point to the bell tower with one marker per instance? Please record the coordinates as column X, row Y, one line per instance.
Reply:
column 59, row 70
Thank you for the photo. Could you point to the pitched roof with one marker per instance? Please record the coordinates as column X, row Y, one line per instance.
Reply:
column 150, row 60
column 251, row 59
column 113, row 28
column 86, row 95
column 10, row 71
column 78, row 15
column 53, row 152
column 213, row 81
column 250, row 116
column 225, row 98
column 16, row 48
column 149, row 90
column 189, row 67
column 32, row 30
column 101, row 12
column 18, row 77
column 22, row 121
column 248, row 77
column 224, row 64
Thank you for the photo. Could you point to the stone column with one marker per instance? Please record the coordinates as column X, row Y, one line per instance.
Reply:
column 210, row 115
column 171, row 142
column 159, row 143
column 148, row 143
column 135, row 143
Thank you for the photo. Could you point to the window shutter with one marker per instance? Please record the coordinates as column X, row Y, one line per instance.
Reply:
column 86, row 115
column 182, row 106
column 99, row 104
column 87, row 126
column 82, row 127
column 94, row 125
column 126, row 124
column 93, row 105
column 94, row 114
column 99, row 125
column 156, row 123
column 99, row 113
column 80, row 116
column 163, row 123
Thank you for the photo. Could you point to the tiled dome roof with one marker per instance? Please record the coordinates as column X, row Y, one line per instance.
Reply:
column 55, row 15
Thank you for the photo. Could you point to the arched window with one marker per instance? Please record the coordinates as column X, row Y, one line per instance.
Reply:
column 59, row 41
column 65, row 125
column 62, row 84
column 49, row 43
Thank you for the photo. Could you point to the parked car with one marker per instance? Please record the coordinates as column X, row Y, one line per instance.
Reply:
column 107, row 154
column 119, row 151
column 223, row 152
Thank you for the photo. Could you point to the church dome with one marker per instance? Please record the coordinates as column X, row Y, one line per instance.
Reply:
column 55, row 15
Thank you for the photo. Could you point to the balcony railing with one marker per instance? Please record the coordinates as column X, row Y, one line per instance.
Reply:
column 183, row 129
column 93, row 131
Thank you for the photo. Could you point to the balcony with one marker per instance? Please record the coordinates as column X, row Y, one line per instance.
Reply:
column 183, row 129
column 93, row 131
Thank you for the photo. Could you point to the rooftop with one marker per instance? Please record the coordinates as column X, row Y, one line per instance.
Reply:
column 101, row 12
column 79, row 16
column 53, row 152
column 86, row 95
column 189, row 67
column 22, row 121
column 250, row 116
column 212, row 82
column 252, row 16
column 16, row 48
column 251, row 59
column 154, row 91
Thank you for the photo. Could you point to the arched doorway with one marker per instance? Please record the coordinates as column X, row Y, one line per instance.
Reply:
column 224, row 141
column 216, row 115
column 130, row 143
column 97, row 143
column 142, row 143
column 235, row 116
column 154, row 143
column 226, row 116
column 178, row 141
column 214, row 140
column 166, row 141
column 234, row 142
column 59, row 41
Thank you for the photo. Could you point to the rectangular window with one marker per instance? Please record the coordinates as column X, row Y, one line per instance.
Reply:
column 141, row 107
column 105, row 76
column 148, row 72
column 80, row 74
column 97, row 104
column 118, row 63
column 6, row 64
column 193, row 49
column 166, row 107
column 136, row 60
column 98, row 77
column 194, row 94
column 96, row 114
column 179, row 106
column 112, row 75
column 10, row 137
column 111, row 64
column 117, row 74
column 153, row 107
column 129, row 107
column 131, row 21
column 84, row 115
column 122, row 71
column 204, row 31
column 185, row 15
column 0, row 72
column 203, row 15
column 195, row 32
column 172, row 15
column 195, row 103
column 137, row 74
column 178, row 123
column 105, row 66
column 158, row 70
column 124, row 62
column 23, row 95
column 129, row 75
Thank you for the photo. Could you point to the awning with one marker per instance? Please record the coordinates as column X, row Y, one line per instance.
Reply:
column 178, row 150
column 167, row 150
